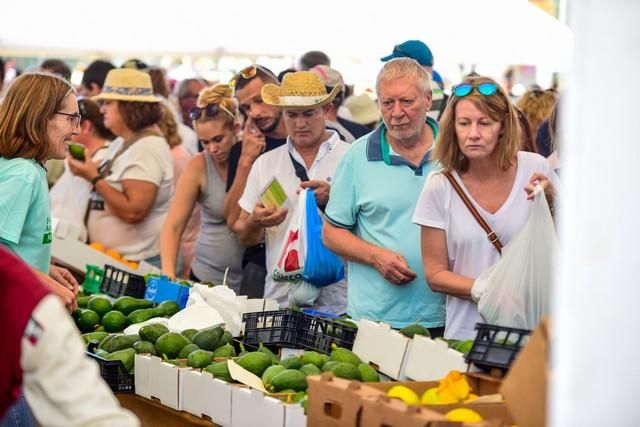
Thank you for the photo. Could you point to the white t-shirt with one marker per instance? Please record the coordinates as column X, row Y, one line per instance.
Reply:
column 278, row 163
column 148, row 159
column 469, row 250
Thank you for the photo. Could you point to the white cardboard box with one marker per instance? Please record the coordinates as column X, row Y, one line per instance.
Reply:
column 294, row 415
column 202, row 395
column 385, row 347
column 251, row 408
column 431, row 360
column 155, row 379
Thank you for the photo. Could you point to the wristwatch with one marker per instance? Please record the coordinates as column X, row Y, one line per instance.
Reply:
column 95, row 180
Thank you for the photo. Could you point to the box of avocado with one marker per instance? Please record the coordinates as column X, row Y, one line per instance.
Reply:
column 205, row 396
column 158, row 380
column 383, row 346
column 430, row 360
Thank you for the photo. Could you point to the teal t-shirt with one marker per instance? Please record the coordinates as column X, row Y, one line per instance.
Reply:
column 25, row 214
column 374, row 193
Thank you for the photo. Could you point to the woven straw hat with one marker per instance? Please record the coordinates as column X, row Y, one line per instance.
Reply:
column 300, row 90
column 125, row 84
column 364, row 110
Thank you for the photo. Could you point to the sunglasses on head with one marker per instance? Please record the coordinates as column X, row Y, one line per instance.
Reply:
column 247, row 74
column 464, row 89
column 210, row 110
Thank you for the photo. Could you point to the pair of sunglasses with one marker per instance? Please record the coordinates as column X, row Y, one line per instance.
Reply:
column 210, row 110
column 464, row 89
column 248, row 73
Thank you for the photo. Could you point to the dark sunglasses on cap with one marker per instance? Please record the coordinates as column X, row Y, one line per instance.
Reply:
column 464, row 89
column 210, row 111
column 247, row 74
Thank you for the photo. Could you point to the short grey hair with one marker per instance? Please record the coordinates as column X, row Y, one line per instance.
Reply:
column 400, row 67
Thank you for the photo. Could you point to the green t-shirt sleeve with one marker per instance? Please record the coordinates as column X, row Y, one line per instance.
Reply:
column 15, row 199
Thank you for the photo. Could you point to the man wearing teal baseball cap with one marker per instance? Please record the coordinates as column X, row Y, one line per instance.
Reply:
column 420, row 52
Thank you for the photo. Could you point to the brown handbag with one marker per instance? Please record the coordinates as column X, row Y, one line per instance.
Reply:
column 491, row 235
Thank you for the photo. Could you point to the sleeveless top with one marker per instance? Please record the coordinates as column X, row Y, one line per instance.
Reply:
column 217, row 247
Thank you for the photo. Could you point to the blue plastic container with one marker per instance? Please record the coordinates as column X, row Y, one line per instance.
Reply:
column 161, row 289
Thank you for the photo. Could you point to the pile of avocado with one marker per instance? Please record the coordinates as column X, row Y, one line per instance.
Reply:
column 97, row 314
column 198, row 347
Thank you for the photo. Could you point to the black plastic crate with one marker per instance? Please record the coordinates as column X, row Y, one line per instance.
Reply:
column 279, row 328
column 496, row 346
column 116, row 283
column 113, row 373
column 319, row 332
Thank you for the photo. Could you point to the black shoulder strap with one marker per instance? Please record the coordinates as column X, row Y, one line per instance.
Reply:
column 301, row 171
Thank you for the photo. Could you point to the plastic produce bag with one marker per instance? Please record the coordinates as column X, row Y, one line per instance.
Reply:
column 290, row 265
column 515, row 292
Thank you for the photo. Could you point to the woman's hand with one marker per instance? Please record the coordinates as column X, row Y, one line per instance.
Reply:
column 547, row 186
column 64, row 278
column 87, row 169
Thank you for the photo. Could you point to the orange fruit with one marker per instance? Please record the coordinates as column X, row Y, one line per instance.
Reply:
column 97, row 246
column 114, row 254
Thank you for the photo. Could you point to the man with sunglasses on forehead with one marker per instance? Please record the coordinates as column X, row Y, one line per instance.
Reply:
column 368, row 218
column 308, row 160
column 263, row 131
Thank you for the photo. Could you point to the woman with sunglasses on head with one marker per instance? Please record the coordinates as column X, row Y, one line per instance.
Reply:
column 479, row 149
column 132, row 189
column 205, row 181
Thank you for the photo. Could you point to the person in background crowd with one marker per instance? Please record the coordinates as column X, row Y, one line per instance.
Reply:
column 93, row 78
column 368, row 218
column 161, row 88
column 185, row 251
column 56, row 66
column 348, row 130
column 132, row 190
column 44, row 355
column 536, row 105
column 308, row 160
column 187, row 94
column 70, row 195
column 554, row 133
column 479, row 146
column 312, row 58
column 38, row 117
column 420, row 52
column 205, row 181
column 364, row 110
column 264, row 130
column 282, row 73
column 1, row 76
column 135, row 64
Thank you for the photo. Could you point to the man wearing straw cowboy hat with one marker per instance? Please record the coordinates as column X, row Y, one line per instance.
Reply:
column 308, row 160
column 369, row 215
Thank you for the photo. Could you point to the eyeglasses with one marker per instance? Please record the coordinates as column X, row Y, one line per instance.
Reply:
column 74, row 118
column 464, row 89
column 210, row 110
column 248, row 73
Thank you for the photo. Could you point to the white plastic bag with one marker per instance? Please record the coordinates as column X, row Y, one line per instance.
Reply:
column 515, row 292
column 290, row 265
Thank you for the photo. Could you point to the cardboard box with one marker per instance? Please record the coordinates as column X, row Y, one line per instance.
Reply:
column 382, row 411
column 525, row 385
column 431, row 360
column 294, row 415
column 384, row 347
column 481, row 384
column 204, row 396
column 250, row 408
column 157, row 380
column 335, row 402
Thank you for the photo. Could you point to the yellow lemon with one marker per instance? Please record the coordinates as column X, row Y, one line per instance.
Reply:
column 471, row 398
column 405, row 394
column 430, row 397
column 464, row 415
column 446, row 397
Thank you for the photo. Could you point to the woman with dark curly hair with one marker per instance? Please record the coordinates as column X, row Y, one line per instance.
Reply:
column 131, row 190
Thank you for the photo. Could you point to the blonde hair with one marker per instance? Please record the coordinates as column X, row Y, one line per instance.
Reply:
column 498, row 107
column 536, row 105
column 168, row 126
column 221, row 95
column 401, row 67
column 30, row 101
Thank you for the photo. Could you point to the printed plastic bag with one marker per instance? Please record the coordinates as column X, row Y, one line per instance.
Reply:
column 515, row 292
column 290, row 265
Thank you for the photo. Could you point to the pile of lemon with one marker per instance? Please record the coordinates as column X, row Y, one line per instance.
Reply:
column 114, row 254
column 452, row 389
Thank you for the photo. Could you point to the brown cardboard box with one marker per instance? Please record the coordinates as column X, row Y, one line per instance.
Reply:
column 481, row 384
column 334, row 402
column 382, row 411
column 525, row 386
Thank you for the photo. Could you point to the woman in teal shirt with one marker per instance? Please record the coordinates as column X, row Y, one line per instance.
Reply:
column 38, row 116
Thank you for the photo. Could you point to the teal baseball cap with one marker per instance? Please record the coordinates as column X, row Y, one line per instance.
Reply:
column 414, row 49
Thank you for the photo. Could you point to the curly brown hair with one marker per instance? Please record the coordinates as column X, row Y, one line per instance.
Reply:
column 139, row 115
column 169, row 127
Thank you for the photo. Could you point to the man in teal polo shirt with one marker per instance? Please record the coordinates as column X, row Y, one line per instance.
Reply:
column 373, row 195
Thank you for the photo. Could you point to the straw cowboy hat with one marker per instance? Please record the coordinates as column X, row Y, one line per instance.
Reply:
column 300, row 90
column 125, row 84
